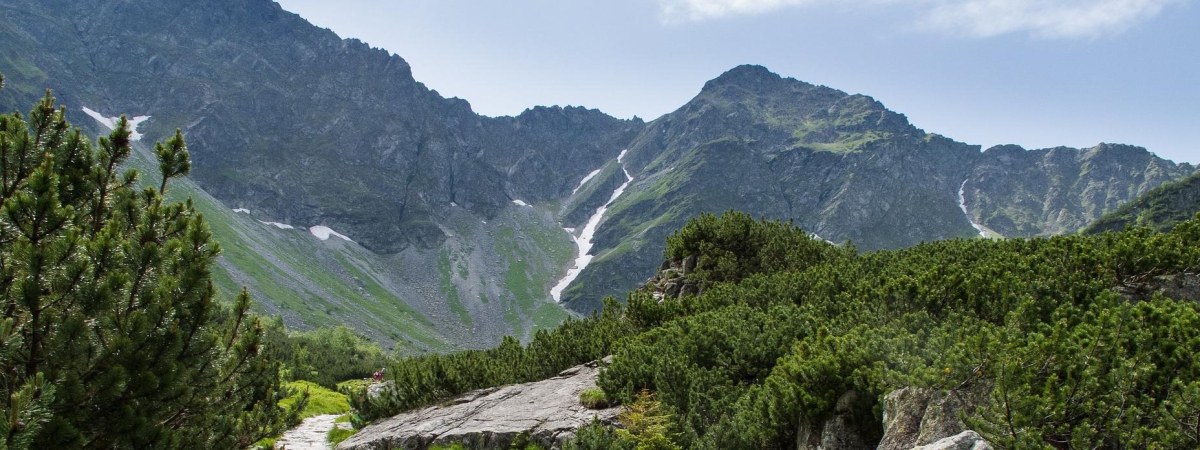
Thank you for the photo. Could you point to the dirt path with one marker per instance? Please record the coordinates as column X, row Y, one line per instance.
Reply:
column 309, row 435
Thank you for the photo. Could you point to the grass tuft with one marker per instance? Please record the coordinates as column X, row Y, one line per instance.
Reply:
column 593, row 398
column 320, row 400
column 337, row 435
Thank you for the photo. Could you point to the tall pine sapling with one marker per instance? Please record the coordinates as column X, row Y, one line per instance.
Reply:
column 173, row 159
column 112, row 335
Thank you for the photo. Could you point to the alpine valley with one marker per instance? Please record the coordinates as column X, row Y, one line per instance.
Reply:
column 342, row 190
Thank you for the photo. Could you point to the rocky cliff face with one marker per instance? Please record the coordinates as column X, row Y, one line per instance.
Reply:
column 1060, row 190
column 289, row 119
column 1162, row 208
column 300, row 127
column 848, row 169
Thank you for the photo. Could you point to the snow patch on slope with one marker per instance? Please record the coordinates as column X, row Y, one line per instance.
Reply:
column 323, row 233
column 521, row 203
column 962, row 204
column 818, row 237
column 584, row 240
column 241, row 210
column 585, row 180
column 111, row 122
column 281, row 226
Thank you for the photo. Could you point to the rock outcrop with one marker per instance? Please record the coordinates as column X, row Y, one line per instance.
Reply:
column 547, row 411
column 846, row 430
column 376, row 389
column 671, row 280
column 1183, row 287
column 928, row 419
column 967, row 440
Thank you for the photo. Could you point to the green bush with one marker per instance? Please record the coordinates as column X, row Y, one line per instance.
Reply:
column 597, row 436
column 734, row 246
column 325, row 356
column 645, row 425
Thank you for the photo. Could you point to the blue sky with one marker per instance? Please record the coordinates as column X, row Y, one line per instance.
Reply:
column 1038, row 73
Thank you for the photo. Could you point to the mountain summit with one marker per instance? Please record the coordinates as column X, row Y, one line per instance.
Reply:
column 848, row 169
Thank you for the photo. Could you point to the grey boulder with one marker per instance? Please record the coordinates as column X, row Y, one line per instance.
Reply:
column 546, row 411
column 967, row 440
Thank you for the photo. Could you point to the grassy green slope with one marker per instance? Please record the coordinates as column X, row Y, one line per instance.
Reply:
column 490, row 280
column 309, row 282
column 396, row 299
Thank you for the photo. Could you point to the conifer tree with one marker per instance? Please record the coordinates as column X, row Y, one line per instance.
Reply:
column 112, row 335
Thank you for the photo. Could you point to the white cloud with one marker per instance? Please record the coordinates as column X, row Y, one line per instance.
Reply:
column 676, row 10
column 1044, row 18
column 976, row 18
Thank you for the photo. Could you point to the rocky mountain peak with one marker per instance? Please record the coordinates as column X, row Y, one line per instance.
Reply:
column 745, row 75
column 1115, row 150
column 1004, row 150
column 757, row 83
column 809, row 112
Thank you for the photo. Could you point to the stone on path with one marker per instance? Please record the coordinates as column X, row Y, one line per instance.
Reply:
column 311, row 434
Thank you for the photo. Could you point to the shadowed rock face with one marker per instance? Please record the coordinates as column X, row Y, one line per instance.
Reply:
column 848, row 429
column 301, row 127
column 547, row 411
column 913, row 419
column 293, row 121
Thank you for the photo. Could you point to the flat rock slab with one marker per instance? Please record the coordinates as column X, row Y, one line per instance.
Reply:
column 311, row 434
column 549, row 411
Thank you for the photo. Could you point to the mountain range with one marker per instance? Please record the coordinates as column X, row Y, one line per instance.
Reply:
column 1160, row 209
column 345, row 191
